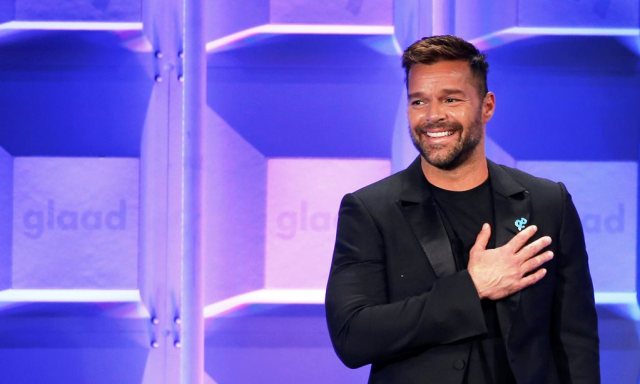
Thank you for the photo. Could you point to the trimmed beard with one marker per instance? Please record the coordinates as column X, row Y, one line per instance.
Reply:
column 461, row 151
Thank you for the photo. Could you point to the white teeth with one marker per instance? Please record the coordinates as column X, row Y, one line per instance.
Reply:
column 440, row 134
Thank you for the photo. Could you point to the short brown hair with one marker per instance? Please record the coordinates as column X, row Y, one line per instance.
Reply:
column 430, row 50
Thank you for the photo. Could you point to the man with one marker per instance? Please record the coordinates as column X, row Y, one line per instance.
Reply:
column 458, row 270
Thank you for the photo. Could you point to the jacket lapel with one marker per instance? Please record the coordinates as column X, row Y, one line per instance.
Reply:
column 511, row 204
column 419, row 209
column 512, row 213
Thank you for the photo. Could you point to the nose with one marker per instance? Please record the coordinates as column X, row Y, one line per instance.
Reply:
column 435, row 113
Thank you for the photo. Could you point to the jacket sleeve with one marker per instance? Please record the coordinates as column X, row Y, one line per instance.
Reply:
column 364, row 326
column 574, row 323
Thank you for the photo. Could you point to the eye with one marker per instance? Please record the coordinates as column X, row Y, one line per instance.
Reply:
column 450, row 100
column 417, row 102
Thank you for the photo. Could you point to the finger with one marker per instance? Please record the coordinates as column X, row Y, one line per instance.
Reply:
column 530, row 279
column 482, row 239
column 521, row 238
column 535, row 262
column 534, row 248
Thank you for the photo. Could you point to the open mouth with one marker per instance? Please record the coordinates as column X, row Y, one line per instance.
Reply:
column 439, row 134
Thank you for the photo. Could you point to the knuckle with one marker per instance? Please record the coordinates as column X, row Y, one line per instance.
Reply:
column 535, row 247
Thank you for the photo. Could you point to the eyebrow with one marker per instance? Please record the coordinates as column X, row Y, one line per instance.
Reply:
column 446, row 91
column 450, row 91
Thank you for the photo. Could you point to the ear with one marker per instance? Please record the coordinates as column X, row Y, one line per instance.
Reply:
column 488, row 106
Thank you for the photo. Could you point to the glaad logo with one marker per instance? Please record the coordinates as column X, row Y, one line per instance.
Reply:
column 604, row 222
column 37, row 221
column 290, row 222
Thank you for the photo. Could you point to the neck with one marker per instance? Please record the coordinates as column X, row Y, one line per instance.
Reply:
column 463, row 178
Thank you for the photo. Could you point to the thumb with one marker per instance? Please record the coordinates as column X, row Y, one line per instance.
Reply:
column 482, row 239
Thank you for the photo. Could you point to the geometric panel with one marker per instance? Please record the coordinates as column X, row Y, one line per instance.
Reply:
column 6, row 190
column 75, row 223
column 503, row 20
column 302, row 87
column 233, row 211
column 566, row 99
column 7, row 10
column 238, row 17
column 269, row 338
column 585, row 13
column 605, row 195
column 370, row 12
column 303, row 196
column 122, row 365
column 78, row 10
column 90, row 93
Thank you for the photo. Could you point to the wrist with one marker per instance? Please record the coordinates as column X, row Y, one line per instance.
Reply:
column 480, row 288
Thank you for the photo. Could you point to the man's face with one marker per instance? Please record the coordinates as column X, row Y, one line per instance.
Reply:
column 446, row 114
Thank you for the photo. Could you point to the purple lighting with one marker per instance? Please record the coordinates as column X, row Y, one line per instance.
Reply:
column 171, row 171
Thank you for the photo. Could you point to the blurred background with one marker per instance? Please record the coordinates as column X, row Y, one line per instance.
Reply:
column 305, row 101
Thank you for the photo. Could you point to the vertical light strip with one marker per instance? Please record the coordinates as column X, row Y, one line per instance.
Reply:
column 443, row 17
column 193, row 96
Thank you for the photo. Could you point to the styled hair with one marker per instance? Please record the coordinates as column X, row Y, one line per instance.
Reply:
column 430, row 50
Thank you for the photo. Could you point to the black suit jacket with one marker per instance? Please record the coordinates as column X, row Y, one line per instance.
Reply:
column 395, row 300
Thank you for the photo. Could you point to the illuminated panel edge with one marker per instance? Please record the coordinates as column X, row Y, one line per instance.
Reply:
column 312, row 29
column 70, row 296
column 265, row 296
column 71, row 26
column 508, row 35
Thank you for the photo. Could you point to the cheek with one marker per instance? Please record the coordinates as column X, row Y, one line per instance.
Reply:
column 414, row 118
column 459, row 115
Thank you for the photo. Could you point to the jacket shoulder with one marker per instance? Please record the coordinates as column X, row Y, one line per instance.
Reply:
column 546, row 195
column 530, row 181
column 383, row 189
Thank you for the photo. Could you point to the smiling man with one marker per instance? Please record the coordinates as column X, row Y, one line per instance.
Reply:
column 459, row 270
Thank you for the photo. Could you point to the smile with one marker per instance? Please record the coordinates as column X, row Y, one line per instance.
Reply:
column 440, row 134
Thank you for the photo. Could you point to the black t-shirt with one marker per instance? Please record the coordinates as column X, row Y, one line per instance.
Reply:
column 463, row 214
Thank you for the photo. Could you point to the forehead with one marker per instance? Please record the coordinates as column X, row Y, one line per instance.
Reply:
column 443, row 73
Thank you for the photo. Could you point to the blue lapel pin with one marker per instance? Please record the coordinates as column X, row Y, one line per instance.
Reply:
column 520, row 223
